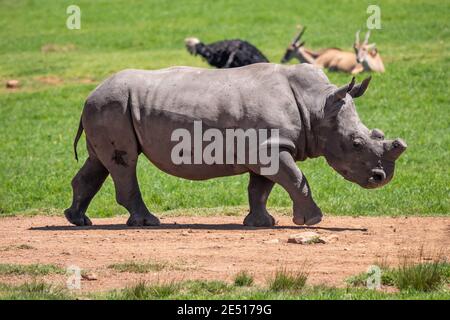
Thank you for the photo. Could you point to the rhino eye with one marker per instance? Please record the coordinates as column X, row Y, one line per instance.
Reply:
column 357, row 144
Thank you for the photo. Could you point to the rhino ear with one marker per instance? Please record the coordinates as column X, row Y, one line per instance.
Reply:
column 341, row 92
column 359, row 89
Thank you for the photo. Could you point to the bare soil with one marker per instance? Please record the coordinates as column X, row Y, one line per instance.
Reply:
column 215, row 248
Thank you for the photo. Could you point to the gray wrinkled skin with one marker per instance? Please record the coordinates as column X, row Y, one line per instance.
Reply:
column 136, row 111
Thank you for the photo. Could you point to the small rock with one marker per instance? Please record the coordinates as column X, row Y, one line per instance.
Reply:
column 305, row 238
column 12, row 84
column 89, row 276
column 185, row 233
column 272, row 241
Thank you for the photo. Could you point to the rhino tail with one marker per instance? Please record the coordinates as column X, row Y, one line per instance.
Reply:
column 77, row 138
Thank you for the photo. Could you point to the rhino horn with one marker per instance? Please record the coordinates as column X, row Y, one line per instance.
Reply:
column 359, row 89
column 341, row 92
column 394, row 149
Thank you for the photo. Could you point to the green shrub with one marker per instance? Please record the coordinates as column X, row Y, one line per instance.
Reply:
column 243, row 279
column 288, row 281
column 143, row 291
column 426, row 277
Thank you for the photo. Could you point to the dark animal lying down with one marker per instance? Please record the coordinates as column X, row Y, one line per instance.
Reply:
column 138, row 111
column 226, row 53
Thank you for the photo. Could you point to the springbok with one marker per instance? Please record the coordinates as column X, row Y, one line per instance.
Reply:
column 365, row 57
column 367, row 54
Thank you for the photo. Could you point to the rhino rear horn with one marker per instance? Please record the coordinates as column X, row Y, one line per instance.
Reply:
column 341, row 92
column 359, row 89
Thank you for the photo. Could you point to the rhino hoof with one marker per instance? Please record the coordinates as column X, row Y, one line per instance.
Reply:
column 76, row 219
column 312, row 216
column 313, row 220
column 298, row 220
column 259, row 220
column 140, row 221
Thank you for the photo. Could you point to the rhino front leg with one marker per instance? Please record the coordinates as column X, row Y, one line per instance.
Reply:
column 294, row 182
column 85, row 185
column 259, row 189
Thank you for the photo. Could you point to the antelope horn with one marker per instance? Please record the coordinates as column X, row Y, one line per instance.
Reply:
column 297, row 38
column 357, row 37
column 366, row 39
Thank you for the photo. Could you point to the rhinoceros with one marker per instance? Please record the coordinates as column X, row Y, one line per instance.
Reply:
column 137, row 111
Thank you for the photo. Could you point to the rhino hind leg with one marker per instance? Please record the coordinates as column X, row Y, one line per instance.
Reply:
column 259, row 189
column 85, row 185
column 129, row 196
column 118, row 152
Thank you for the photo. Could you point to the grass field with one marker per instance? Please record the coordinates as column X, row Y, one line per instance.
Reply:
column 38, row 121
column 282, row 286
column 286, row 285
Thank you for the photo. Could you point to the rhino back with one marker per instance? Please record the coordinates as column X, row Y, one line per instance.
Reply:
column 246, row 97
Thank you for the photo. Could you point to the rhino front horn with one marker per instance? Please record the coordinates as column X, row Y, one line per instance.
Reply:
column 395, row 149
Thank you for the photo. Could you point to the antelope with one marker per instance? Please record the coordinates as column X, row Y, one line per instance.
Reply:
column 365, row 57
column 367, row 54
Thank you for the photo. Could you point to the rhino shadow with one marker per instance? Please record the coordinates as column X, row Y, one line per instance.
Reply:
column 196, row 226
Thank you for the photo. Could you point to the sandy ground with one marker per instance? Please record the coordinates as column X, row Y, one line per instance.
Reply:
column 215, row 248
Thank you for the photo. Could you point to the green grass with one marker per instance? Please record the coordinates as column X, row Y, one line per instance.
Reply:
column 418, row 277
column 39, row 121
column 243, row 279
column 30, row 269
column 33, row 291
column 423, row 276
column 207, row 290
column 288, row 281
column 138, row 267
column 142, row 291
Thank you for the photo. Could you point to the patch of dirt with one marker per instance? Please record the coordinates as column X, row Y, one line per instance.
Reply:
column 51, row 80
column 53, row 47
column 215, row 248
column 86, row 80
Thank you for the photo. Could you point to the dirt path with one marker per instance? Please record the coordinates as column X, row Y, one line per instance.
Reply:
column 214, row 247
